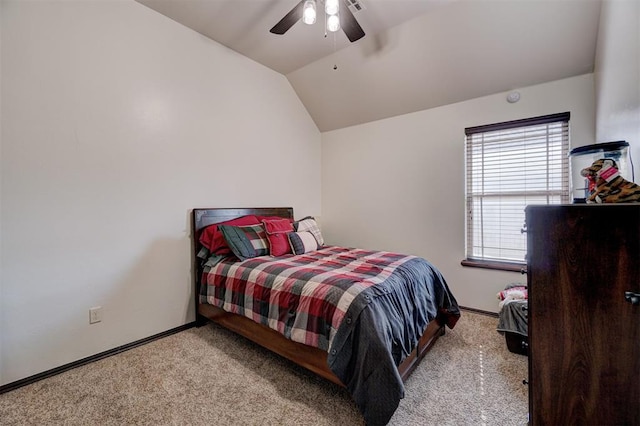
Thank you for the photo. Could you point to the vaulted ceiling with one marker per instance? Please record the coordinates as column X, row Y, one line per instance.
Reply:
column 417, row 54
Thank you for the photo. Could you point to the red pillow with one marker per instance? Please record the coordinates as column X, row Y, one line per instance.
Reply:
column 213, row 239
column 261, row 218
column 277, row 230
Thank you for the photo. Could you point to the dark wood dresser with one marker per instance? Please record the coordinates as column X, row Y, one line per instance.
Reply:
column 583, row 271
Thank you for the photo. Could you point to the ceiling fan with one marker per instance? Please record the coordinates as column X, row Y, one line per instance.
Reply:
column 306, row 11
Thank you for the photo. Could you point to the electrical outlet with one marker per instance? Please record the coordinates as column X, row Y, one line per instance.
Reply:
column 95, row 315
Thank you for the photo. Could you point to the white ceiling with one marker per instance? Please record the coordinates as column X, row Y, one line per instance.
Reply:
column 417, row 54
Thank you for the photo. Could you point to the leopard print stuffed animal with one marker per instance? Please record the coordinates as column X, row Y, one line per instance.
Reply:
column 610, row 187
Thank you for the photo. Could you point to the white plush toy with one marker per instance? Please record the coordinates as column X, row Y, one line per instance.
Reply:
column 510, row 294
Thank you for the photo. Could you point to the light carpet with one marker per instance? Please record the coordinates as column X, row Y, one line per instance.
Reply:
column 211, row 376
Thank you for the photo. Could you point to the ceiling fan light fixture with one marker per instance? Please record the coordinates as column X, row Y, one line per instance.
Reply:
column 309, row 12
column 306, row 11
column 333, row 23
column 331, row 7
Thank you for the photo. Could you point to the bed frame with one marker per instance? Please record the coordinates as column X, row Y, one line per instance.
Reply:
column 308, row 357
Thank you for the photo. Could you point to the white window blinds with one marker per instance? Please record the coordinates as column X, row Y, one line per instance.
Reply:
column 509, row 166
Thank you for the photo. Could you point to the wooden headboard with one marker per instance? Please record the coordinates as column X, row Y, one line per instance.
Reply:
column 205, row 217
column 201, row 218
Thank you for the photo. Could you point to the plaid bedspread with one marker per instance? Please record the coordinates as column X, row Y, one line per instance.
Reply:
column 303, row 297
column 368, row 309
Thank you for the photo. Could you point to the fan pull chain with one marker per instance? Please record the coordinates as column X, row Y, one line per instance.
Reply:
column 335, row 66
column 325, row 25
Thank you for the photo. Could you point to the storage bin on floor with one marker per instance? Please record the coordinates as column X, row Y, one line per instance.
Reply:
column 512, row 319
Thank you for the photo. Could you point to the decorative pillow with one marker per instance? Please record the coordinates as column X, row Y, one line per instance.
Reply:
column 277, row 230
column 309, row 224
column 246, row 241
column 261, row 218
column 214, row 241
column 302, row 242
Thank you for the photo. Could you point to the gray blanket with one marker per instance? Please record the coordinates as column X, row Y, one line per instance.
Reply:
column 513, row 317
column 392, row 316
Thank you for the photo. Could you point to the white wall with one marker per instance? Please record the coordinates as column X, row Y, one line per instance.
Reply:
column 1, row 280
column 617, row 74
column 116, row 121
column 398, row 184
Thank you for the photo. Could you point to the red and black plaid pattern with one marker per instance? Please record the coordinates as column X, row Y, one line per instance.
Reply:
column 303, row 297
column 257, row 237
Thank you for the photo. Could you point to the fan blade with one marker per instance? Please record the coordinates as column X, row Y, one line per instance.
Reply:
column 349, row 25
column 289, row 19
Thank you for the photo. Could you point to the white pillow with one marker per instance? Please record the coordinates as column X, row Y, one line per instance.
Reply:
column 309, row 224
column 302, row 242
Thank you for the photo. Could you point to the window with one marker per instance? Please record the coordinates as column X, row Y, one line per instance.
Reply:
column 509, row 166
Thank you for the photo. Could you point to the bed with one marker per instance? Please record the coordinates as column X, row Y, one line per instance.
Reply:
column 363, row 350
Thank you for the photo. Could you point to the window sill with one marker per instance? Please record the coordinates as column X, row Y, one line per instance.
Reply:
column 501, row 266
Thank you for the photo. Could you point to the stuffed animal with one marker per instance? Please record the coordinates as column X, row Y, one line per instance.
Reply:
column 607, row 184
column 512, row 293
